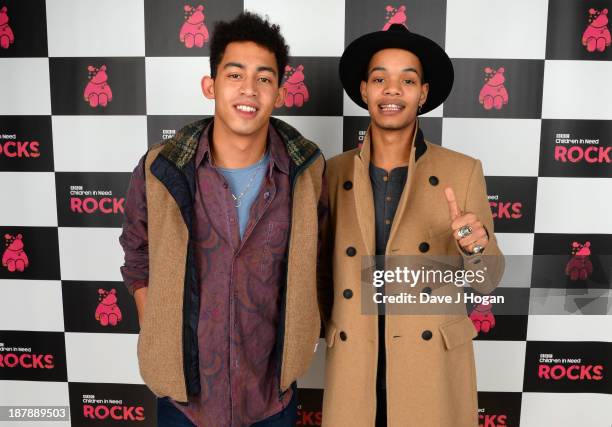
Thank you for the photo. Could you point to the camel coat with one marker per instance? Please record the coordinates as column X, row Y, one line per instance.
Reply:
column 430, row 375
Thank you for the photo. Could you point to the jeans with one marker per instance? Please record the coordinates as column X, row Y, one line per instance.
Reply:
column 169, row 416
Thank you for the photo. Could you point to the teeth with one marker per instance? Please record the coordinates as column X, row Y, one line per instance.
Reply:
column 391, row 107
column 246, row 108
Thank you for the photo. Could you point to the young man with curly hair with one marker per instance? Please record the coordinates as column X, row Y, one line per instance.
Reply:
column 221, row 240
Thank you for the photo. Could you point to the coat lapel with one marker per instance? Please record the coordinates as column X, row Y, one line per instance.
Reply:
column 364, row 196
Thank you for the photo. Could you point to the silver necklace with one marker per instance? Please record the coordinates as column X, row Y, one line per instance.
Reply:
column 238, row 198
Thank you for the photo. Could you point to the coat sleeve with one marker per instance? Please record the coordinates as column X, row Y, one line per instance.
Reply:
column 491, row 257
column 134, row 236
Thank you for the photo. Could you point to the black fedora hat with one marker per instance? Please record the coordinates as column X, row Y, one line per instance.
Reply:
column 437, row 66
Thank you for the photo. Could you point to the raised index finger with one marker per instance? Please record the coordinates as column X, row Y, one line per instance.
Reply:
column 453, row 208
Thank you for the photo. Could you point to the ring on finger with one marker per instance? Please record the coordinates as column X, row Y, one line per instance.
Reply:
column 465, row 230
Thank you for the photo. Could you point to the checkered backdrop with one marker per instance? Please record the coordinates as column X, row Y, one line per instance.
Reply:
column 532, row 99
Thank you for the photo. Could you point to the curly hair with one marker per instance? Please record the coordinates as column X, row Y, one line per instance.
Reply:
column 248, row 27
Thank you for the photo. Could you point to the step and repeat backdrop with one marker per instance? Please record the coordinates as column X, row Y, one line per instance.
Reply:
column 87, row 85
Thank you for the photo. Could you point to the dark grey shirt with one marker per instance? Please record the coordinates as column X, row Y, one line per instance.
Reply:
column 387, row 188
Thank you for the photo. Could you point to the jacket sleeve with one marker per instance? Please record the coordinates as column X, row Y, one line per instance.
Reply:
column 491, row 257
column 134, row 237
column 325, row 286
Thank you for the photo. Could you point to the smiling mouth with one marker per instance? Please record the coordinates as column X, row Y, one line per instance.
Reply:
column 390, row 107
column 245, row 108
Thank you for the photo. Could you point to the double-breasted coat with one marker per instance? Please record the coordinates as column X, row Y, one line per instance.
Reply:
column 430, row 369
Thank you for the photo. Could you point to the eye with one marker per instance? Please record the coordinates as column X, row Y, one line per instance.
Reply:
column 265, row 80
column 378, row 80
column 234, row 76
column 409, row 81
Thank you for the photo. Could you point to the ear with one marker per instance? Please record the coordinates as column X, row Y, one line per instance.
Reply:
column 19, row 236
column 424, row 93
column 363, row 90
column 501, row 70
column 200, row 8
column 280, row 99
column 487, row 69
column 208, row 87
column 605, row 11
column 187, row 8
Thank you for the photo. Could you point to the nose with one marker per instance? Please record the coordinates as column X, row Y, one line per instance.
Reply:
column 248, row 87
column 392, row 88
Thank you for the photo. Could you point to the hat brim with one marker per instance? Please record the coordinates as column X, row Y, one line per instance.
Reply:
column 437, row 66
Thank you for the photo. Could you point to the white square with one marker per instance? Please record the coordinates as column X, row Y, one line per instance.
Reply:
column 569, row 328
column 310, row 28
column 44, row 393
column 578, row 90
column 506, row 147
column 36, row 305
column 490, row 355
column 90, row 253
column 98, row 143
column 174, row 86
column 326, row 132
column 496, row 28
column 28, row 199
column 517, row 249
column 95, row 28
column 102, row 358
column 566, row 410
column 571, row 205
column 24, row 86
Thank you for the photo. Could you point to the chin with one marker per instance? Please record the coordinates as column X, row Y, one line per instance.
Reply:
column 392, row 124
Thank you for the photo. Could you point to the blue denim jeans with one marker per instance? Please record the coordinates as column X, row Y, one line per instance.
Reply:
column 169, row 416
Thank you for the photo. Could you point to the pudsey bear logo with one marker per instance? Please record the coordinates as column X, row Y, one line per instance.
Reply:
column 98, row 92
column 14, row 257
column 7, row 37
column 596, row 36
column 483, row 318
column 108, row 312
column 579, row 267
column 193, row 31
column 493, row 94
column 297, row 91
column 395, row 15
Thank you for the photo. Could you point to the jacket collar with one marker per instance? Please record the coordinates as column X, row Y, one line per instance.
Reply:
column 182, row 148
column 418, row 145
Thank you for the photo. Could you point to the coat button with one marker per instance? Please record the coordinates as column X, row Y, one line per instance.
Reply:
column 423, row 246
column 426, row 335
column 427, row 290
column 348, row 185
column 347, row 293
column 351, row 251
column 343, row 335
column 433, row 180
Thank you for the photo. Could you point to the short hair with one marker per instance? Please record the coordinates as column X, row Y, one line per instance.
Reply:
column 248, row 27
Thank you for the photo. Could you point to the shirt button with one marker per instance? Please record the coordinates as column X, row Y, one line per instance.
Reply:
column 266, row 194
column 385, row 178
column 387, row 222
column 388, row 198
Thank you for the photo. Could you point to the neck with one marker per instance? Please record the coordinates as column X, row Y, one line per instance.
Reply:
column 233, row 151
column 391, row 148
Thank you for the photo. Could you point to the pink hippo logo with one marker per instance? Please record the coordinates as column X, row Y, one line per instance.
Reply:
column 7, row 37
column 14, row 257
column 395, row 15
column 98, row 92
column 493, row 94
column 579, row 267
column 107, row 312
column 194, row 31
column 482, row 317
column 297, row 92
column 597, row 35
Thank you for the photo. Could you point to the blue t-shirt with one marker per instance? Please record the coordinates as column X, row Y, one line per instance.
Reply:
column 238, row 180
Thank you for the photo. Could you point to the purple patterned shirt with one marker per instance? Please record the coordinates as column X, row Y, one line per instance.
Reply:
column 240, row 286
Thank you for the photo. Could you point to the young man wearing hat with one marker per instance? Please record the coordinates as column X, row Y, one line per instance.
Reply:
column 401, row 195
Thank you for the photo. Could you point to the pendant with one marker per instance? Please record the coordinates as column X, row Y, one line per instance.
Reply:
column 238, row 203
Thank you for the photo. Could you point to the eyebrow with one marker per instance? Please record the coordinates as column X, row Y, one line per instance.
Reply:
column 384, row 69
column 260, row 68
